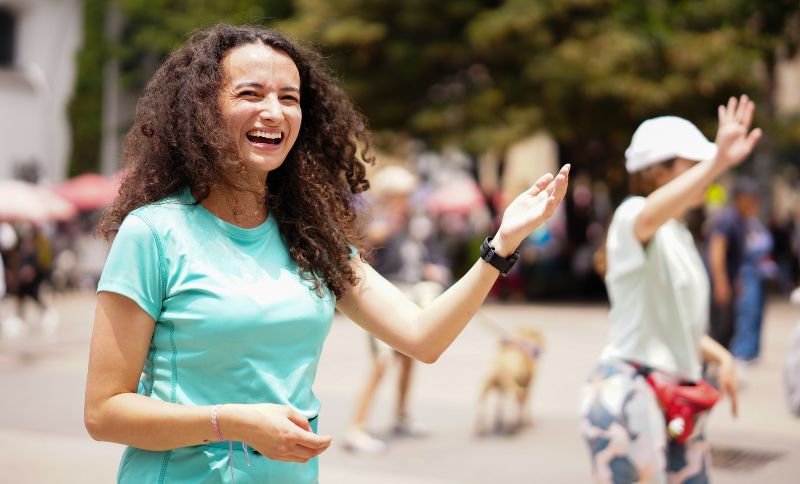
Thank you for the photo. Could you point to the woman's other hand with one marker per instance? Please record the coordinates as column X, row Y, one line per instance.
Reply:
column 529, row 210
column 278, row 432
column 728, row 384
column 733, row 141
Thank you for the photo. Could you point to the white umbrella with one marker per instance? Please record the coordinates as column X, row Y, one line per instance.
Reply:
column 26, row 202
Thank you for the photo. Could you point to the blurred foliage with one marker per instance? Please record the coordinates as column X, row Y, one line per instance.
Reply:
column 156, row 27
column 483, row 74
column 85, row 108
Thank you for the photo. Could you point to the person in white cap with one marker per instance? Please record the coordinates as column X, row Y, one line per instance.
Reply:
column 659, row 294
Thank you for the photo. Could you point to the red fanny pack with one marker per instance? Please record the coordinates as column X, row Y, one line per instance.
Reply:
column 683, row 404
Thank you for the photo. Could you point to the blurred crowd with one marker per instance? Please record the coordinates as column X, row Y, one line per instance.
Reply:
column 41, row 259
column 449, row 209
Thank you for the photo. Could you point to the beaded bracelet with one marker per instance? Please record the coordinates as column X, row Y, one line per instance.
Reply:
column 214, row 424
column 219, row 436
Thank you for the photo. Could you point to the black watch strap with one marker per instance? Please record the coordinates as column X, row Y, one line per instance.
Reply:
column 502, row 264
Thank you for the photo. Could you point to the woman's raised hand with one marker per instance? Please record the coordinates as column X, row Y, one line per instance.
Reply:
column 278, row 432
column 734, row 139
column 529, row 210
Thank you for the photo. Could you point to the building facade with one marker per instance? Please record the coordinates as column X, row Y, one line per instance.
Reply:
column 38, row 44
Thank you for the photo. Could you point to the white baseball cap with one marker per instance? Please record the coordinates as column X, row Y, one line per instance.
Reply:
column 661, row 139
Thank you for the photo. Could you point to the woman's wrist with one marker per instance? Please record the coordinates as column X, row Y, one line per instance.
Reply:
column 502, row 246
column 229, row 421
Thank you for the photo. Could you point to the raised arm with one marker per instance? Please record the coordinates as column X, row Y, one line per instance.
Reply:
column 114, row 412
column 734, row 143
column 381, row 309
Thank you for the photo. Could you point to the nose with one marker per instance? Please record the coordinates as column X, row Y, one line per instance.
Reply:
column 271, row 109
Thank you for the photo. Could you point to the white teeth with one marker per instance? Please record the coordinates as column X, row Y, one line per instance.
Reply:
column 264, row 134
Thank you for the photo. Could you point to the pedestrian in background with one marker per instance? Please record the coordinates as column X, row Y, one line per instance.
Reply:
column 757, row 266
column 658, row 289
column 406, row 255
column 725, row 247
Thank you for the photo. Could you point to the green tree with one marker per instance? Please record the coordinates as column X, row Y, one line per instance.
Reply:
column 484, row 73
column 85, row 108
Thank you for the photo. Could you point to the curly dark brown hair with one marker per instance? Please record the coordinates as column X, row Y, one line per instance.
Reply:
column 177, row 140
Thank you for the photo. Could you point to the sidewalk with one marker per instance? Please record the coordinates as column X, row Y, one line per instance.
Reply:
column 41, row 394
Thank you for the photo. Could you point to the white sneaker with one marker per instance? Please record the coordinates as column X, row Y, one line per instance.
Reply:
column 50, row 322
column 357, row 440
column 13, row 327
column 795, row 296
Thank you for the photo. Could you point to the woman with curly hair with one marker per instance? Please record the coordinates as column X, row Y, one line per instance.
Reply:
column 235, row 237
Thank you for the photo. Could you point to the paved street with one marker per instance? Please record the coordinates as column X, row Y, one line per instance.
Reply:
column 43, row 439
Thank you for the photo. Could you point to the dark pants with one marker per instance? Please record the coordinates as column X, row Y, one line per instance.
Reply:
column 722, row 322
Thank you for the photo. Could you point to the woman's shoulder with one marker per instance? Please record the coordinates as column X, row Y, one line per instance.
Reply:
column 631, row 203
column 627, row 211
column 174, row 205
column 158, row 218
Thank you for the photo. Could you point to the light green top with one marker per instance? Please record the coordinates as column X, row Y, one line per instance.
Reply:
column 659, row 295
column 234, row 320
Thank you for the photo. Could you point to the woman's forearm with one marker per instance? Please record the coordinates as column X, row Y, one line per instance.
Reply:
column 713, row 352
column 149, row 424
column 443, row 320
column 673, row 199
column 383, row 310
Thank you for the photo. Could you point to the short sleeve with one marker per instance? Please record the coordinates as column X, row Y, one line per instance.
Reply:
column 625, row 251
column 134, row 266
column 722, row 224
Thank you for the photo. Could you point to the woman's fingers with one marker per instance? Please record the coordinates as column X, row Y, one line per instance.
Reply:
column 741, row 108
column 731, row 109
column 298, row 419
column 302, row 446
column 541, row 184
column 310, row 440
column 733, row 394
column 561, row 182
column 746, row 117
column 303, row 453
column 753, row 138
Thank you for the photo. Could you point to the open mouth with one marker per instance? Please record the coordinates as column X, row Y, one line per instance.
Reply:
column 264, row 138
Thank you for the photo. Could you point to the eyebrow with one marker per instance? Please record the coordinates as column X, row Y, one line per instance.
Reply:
column 261, row 86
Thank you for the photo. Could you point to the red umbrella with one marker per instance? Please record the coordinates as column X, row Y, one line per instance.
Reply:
column 461, row 195
column 26, row 202
column 89, row 191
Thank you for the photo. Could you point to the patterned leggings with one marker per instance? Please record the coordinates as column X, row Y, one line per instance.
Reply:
column 625, row 430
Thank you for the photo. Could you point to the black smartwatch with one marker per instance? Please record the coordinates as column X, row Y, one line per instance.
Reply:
column 502, row 264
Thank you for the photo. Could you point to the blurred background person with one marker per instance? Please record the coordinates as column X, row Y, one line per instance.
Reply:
column 658, row 290
column 406, row 254
column 725, row 254
column 29, row 266
column 8, row 239
column 757, row 266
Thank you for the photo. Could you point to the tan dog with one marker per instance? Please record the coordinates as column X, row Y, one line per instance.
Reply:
column 511, row 376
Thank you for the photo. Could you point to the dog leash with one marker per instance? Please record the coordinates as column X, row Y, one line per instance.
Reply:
column 492, row 325
column 507, row 337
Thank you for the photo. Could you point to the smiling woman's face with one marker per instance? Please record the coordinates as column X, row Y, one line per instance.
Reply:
column 260, row 104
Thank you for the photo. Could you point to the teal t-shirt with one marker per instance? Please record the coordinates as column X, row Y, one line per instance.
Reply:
column 235, row 322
